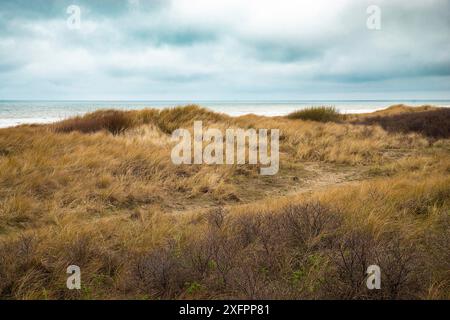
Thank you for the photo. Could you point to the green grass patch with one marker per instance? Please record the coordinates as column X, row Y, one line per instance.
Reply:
column 319, row 114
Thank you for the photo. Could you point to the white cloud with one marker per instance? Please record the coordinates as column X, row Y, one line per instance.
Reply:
column 227, row 49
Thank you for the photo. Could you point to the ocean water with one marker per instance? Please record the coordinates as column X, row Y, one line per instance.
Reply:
column 14, row 113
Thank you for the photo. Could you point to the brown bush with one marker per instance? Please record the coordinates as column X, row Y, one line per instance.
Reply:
column 433, row 124
column 356, row 250
column 160, row 273
column 310, row 225
column 399, row 261
column 116, row 122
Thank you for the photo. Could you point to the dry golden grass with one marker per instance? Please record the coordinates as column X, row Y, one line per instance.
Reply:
column 395, row 110
column 111, row 201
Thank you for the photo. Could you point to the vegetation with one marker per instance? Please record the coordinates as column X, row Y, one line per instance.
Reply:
column 115, row 122
column 320, row 114
column 433, row 124
column 100, row 192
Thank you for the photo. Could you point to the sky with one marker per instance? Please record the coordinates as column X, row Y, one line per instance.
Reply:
column 224, row 50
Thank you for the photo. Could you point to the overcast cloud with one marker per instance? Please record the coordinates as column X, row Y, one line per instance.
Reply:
column 224, row 49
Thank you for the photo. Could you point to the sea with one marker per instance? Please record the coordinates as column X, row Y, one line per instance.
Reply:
column 16, row 112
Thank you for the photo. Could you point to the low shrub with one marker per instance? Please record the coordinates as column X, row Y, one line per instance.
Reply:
column 433, row 124
column 116, row 122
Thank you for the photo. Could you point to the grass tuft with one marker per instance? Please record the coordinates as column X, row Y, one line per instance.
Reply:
column 319, row 114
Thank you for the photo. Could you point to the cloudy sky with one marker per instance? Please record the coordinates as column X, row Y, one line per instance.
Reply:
column 224, row 49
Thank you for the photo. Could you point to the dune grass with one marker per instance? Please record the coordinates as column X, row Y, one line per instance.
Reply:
column 108, row 199
column 319, row 114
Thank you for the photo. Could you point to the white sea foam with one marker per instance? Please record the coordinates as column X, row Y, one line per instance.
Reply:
column 6, row 123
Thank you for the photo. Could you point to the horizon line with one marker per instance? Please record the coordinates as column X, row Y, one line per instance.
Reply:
column 219, row 100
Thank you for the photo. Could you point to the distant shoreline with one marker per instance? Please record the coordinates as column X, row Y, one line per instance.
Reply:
column 15, row 112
